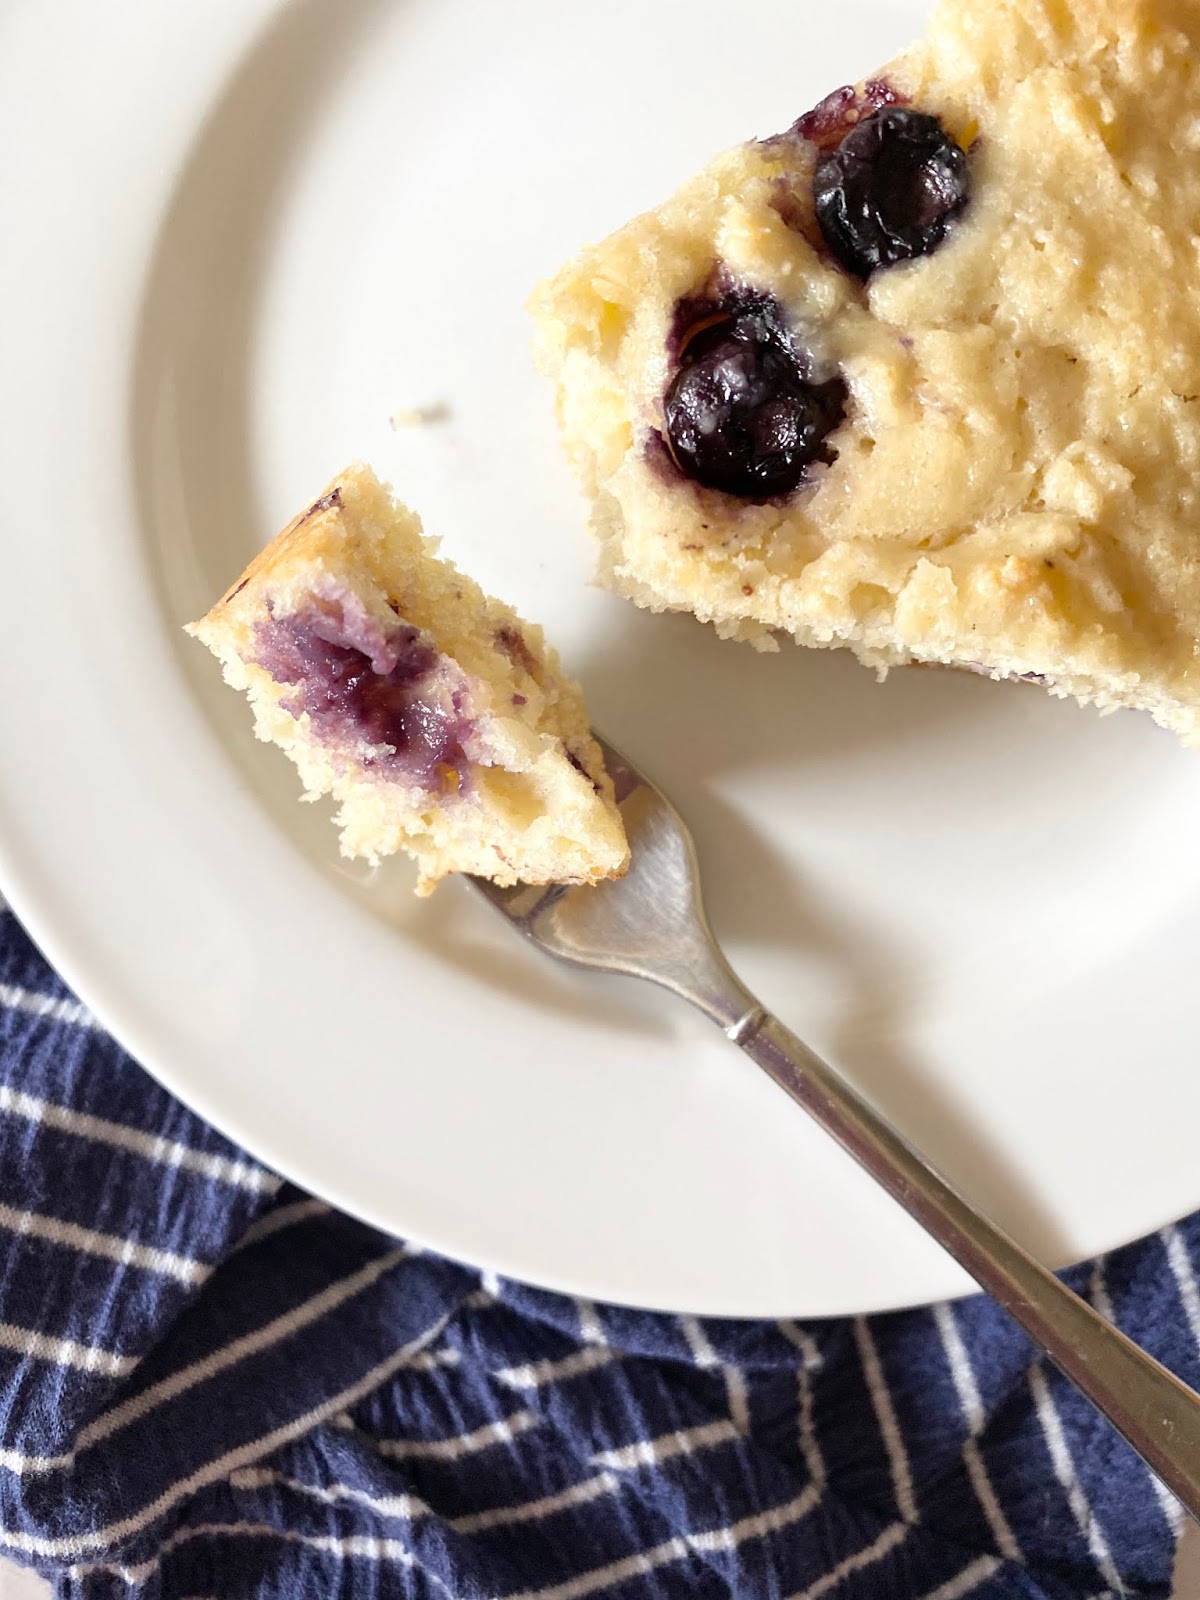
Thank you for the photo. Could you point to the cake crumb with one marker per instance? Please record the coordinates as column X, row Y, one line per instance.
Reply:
column 419, row 416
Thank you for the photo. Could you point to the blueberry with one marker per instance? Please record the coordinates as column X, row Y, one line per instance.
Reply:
column 346, row 699
column 741, row 415
column 890, row 190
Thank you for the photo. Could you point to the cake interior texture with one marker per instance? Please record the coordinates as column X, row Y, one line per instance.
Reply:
column 920, row 375
column 440, row 722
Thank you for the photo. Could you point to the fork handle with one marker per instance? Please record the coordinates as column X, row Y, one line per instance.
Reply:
column 1149, row 1406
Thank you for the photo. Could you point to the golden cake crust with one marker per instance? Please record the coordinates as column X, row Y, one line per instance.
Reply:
column 312, row 535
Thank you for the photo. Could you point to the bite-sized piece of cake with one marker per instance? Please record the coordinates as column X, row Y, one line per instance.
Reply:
column 921, row 376
column 439, row 721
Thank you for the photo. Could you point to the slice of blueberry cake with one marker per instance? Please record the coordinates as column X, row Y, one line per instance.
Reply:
column 921, row 375
column 439, row 721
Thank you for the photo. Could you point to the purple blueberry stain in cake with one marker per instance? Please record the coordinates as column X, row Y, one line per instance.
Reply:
column 340, row 616
column 361, row 683
column 743, row 413
column 828, row 123
column 890, row 190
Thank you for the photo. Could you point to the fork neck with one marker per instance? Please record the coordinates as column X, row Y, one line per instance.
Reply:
column 706, row 980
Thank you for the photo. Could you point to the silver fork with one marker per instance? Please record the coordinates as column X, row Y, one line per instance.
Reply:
column 651, row 925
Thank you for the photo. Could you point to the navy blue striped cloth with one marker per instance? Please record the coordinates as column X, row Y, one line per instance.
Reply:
column 215, row 1386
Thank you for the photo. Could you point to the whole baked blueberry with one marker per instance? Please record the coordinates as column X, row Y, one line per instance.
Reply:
column 890, row 190
column 741, row 415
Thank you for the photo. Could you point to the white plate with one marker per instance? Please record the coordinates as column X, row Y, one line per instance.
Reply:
column 235, row 239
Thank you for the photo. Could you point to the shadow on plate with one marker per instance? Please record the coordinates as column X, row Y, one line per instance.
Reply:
column 457, row 926
column 691, row 708
column 874, row 999
column 684, row 700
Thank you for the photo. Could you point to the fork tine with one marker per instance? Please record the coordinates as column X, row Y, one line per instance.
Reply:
column 649, row 924
column 625, row 776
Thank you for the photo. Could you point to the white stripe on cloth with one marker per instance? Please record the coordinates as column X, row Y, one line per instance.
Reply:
column 739, row 1399
column 698, row 1343
column 64, row 1352
column 1185, row 1278
column 1098, row 1288
column 804, row 1342
column 810, row 1448
column 45, row 1005
column 535, row 1510
column 885, row 1413
column 1171, row 1509
column 169, row 1152
column 977, row 1472
column 433, row 1361
column 404, row 1507
column 678, row 1549
column 591, row 1330
column 272, row 1222
column 1064, row 1471
column 75, row 1546
column 609, row 1576
column 360, row 1545
column 176, row 1383
column 757, row 1526
column 423, row 1361
column 409, row 1507
column 54, row 1230
column 706, row 1357
column 649, row 1452
column 969, row 1578
column 887, row 1541
column 536, row 1374
column 20, row 1462
column 503, row 1431
column 969, row 1398
column 250, row 1344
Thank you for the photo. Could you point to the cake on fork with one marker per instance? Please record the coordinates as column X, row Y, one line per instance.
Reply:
column 920, row 376
column 439, row 721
